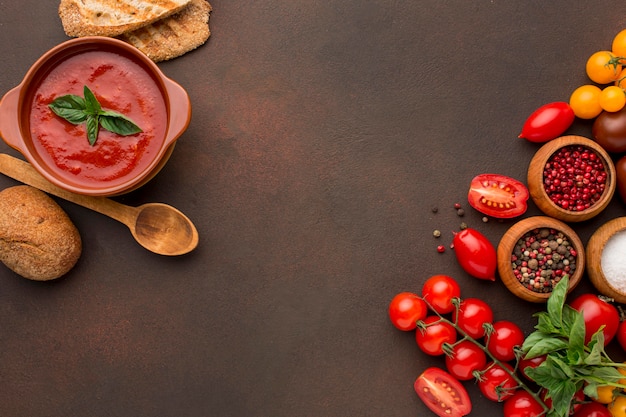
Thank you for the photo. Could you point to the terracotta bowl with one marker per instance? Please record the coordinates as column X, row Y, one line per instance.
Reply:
column 537, row 189
column 18, row 116
column 595, row 248
column 506, row 249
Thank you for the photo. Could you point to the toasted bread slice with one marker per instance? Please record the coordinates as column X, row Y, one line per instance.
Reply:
column 175, row 35
column 113, row 17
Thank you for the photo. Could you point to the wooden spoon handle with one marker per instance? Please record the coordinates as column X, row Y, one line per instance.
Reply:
column 22, row 171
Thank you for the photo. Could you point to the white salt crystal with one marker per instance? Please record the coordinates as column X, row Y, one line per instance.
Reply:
column 613, row 261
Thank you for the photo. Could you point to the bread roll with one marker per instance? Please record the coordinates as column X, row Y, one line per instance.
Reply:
column 37, row 239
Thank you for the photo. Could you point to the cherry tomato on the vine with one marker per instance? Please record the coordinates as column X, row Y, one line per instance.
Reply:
column 471, row 316
column 602, row 67
column 597, row 313
column 530, row 363
column 498, row 196
column 442, row 393
column 618, row 407
column 496, row 383
column 585, row 101
column 522, row 404
column 476, row 254
column 405, row 309
column 612, row 99
column 439, row 291
column 466, row 357
column 431, row 338
column 505, row 338
column 618, row 47
column 548, row 122
column 592, row 410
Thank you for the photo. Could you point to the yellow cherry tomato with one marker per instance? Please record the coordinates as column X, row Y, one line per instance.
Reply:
column 619, row 44
column 621, row 79
column 602, row 67
column 623, row 372
column 612, row 99
column 605, row 394
column 618, row 407
column 585, row 101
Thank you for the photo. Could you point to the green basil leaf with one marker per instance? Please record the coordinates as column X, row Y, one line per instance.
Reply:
column 118, row 123
column 562, row 397
column 607, row 373
column 69, row 107
column 92, row 105
column 570, row 316
column 92, row 129
column 531, row 340
column 576, row 350
column 545, row 346
column 557, row 301
column 545, row 324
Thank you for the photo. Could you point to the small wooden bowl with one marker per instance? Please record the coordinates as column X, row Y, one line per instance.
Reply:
column 510, row 239
column 595, row 247
column 538, row 192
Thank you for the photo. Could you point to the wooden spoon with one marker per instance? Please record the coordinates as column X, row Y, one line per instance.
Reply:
column 157, row 227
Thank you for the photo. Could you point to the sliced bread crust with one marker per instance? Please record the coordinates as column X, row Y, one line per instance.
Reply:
column 175, row 35
column 113, row 17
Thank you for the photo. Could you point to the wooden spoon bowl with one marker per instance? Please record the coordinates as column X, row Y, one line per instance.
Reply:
column 595, row 247
column 539, row 194
column 507, row 246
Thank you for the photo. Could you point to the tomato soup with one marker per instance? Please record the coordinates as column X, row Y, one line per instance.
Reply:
column 120, row 84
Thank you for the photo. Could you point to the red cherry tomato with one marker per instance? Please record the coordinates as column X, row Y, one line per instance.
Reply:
column 530, row 363
column 548, row 122
column 592, row 409
column 406, row 309
column 597, row 313
column 431, row 339
column 621, row 334
column 496, row 383
column 442, row 393
column 498, row 196
column 466, row 358
column 522, row 404
column 439, row 291
column 475, row 253
column 505, row 337
column 472, row 314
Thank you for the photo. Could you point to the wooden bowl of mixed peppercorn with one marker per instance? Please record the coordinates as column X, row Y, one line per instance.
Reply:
column 571, row 178
column 536, row 253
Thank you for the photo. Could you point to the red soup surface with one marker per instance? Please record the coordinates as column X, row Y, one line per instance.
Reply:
column 120, row 84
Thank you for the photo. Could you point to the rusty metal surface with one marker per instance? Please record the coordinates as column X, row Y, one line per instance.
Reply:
column 322, row 135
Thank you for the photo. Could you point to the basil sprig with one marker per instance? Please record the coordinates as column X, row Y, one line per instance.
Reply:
column 570, row 363
column 78, row 110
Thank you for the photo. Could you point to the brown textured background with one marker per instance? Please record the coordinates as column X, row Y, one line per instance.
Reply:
column 322, row 135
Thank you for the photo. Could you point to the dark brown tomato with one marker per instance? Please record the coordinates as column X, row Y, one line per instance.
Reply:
column 620, row 170
column 609, row 130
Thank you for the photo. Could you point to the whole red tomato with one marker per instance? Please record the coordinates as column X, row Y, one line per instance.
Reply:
column 472, row 314
column 496, row 383
column 439, row 291
column 498, row 196
column 466, row 357
column 406, row 309
column 442, row 393
column 522, row 404
column 548, row 122
column 597, row 313
column 530, row 363
column 431, row 339
column 505, row 337
column 592, row 409
column 476, row 254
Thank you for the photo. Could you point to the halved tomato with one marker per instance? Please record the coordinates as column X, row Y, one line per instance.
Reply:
column 442, row 393
column 498, row 196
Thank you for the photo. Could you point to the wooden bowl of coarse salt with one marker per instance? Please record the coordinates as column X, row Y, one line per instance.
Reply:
column 606, row 259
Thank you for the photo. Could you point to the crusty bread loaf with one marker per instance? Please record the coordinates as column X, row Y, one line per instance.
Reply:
column 37, row 239
column 175, row 35
column 113, row 17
